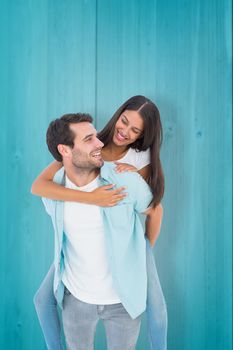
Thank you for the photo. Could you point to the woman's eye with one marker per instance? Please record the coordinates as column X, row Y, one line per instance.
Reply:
column 123, row 121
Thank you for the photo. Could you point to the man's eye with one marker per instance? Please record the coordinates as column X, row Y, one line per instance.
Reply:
column 89, row 139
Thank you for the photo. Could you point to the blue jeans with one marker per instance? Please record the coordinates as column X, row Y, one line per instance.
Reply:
column 156, row 312
column 46, row 308
column 80, row 320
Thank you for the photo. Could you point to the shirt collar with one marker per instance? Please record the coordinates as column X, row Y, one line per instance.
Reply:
column 59, row 177
column 106, row 170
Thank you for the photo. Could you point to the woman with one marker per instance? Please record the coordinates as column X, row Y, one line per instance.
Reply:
column 132, row 139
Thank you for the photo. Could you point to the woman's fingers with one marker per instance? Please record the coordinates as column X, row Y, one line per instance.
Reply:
column 121, row 167
column 105, row 196
column 115, row 196
column 107, row 187
column 117, row 199
column 118, row 190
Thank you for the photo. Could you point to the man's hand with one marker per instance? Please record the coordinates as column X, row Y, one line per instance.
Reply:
column 105, row 196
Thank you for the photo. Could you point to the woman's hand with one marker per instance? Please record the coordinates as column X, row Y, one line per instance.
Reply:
column 122, row 167
column 104, row 196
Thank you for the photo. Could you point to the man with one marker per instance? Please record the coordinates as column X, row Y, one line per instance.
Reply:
column 100, row 261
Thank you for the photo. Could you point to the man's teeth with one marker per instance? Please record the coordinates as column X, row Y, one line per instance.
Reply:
column 96, row 154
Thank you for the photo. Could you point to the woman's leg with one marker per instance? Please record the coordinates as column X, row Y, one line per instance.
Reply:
column 156, row 310
column 46, row 308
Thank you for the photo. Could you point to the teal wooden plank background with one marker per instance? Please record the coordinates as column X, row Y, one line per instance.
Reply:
column 64, row 56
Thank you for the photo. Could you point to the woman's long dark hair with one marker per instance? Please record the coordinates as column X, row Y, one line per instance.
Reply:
column 151, row 138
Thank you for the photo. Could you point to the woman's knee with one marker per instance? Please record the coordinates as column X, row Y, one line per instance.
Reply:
column 162, row 316
column 44, row 298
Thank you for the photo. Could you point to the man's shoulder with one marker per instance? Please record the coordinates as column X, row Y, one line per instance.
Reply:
column 50, row 203
column 59, row 176
column 132, row 180
column 108, row 173
column 138, row 191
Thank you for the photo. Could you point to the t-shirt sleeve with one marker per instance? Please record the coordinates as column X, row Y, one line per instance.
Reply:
column 142, row 159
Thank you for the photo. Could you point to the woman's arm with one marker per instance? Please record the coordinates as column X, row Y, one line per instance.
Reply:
column 153, row 223
column 145, row 172
column 44, row 186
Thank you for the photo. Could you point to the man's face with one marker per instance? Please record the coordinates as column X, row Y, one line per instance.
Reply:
column 86, row 153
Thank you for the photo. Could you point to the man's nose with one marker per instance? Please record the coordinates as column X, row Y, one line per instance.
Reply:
column 100, row 143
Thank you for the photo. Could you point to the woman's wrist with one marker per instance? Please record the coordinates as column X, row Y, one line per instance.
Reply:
column 88, row 197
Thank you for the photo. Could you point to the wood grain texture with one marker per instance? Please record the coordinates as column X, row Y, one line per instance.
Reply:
column 90, row 56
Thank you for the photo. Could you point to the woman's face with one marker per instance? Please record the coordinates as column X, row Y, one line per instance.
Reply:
column 128, row 128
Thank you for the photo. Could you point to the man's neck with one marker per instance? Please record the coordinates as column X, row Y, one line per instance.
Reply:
column 81, row 177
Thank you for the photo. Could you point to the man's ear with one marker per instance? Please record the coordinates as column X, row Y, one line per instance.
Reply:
column 64, row 150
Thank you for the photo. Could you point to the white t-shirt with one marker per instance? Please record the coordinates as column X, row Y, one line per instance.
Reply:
column 137, row 159
column 87, row 274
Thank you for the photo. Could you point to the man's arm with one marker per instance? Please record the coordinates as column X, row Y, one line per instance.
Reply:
column 49, row 205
